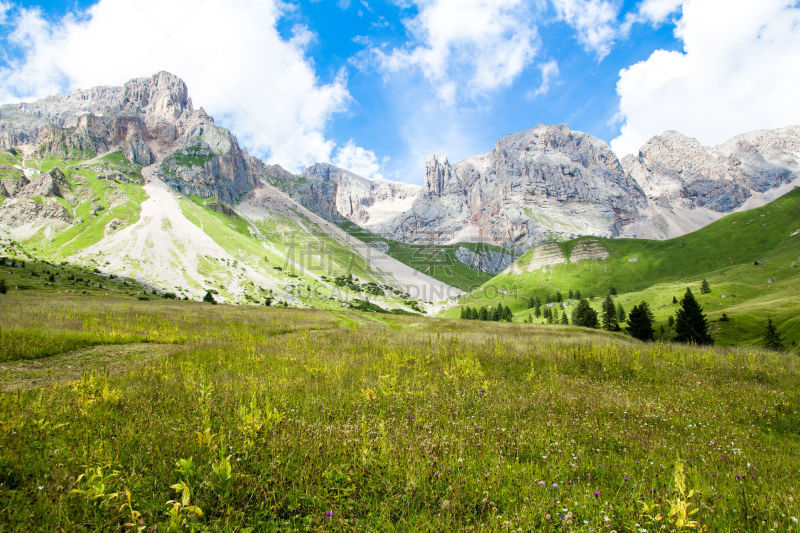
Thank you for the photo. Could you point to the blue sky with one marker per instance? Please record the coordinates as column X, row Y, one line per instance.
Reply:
column 375, row 86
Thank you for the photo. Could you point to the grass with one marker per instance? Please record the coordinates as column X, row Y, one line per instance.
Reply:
column 120, row 200
column 725, row 253
column 34, row 343
column 289, row 419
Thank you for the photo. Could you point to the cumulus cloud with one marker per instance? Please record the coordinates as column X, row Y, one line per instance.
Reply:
column 549, row 71
column 234, row 61
column 358, row 160
column 595, row 21
column 737, row 72
column 466, row 48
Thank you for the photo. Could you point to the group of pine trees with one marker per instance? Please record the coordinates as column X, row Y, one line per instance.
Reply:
column 690, row 322
column 497, row 313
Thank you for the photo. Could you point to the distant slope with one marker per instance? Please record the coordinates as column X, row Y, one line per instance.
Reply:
column 438, row 261
column 118, row 217
column 751, row 257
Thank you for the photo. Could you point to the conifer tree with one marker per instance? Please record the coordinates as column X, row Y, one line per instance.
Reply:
column 704, row 287
column 772, row 339
column 584, row 315
column 463, row 313
column 209, row 298
column 483, row 314
column 612, row 291
column 674, row 300
column 496, row 312
column 564, row 318
column 3, row 286
column 640, row 322
column 570, row 294
column 621, row 315
column 691, row 324
column 609, row 314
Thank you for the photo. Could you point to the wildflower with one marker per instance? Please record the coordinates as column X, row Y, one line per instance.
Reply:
column 541, row 483
column 555, row 485
column 596, row 494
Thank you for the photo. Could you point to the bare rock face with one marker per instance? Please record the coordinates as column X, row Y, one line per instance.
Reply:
column 33, row 213
column 337, row 194
column 536, row 185
column 490, row 261
column 689, row 185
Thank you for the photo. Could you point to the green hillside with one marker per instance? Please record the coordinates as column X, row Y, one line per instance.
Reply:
column 751, row 260
column 437, row 261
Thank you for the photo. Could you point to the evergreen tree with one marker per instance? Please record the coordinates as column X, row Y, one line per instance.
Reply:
column 621, row 315
column 209, row 298
column 704, row 287
column 509, row 314
column 559, row 298
column 3, row 286
column 609, row 314
column 537, row 311
column 496, row 313
column 772, row 339
column 577, row 295
column 674, row 300
column 671, row 320
column 483, row 314
column 463, row 313
column 691, row 324
column 584, row 315
column 564, row 318
column 612, row 291
column 570, row 294
column 640, row 322
column 531, row 302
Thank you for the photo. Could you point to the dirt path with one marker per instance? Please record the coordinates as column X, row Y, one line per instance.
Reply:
column 115, row 359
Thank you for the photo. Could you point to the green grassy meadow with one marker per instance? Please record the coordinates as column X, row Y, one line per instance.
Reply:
column 750, row 259
column 193, row 417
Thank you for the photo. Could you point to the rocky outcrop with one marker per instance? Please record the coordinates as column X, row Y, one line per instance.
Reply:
column 489, row 261
column 588, row 250
column 541, row 257
column 33, row 213
column 49, row 184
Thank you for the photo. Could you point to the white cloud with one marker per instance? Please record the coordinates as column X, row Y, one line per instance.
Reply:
column 358, row 160
column 466, row 48
column 737, row 72
column 594, row 20
column 229, row 52
column 5, row 7
column 549, row 71
column 657, row 11
column 654, row 12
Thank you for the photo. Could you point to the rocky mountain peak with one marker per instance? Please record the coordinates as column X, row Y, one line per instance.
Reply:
column 162, row 97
